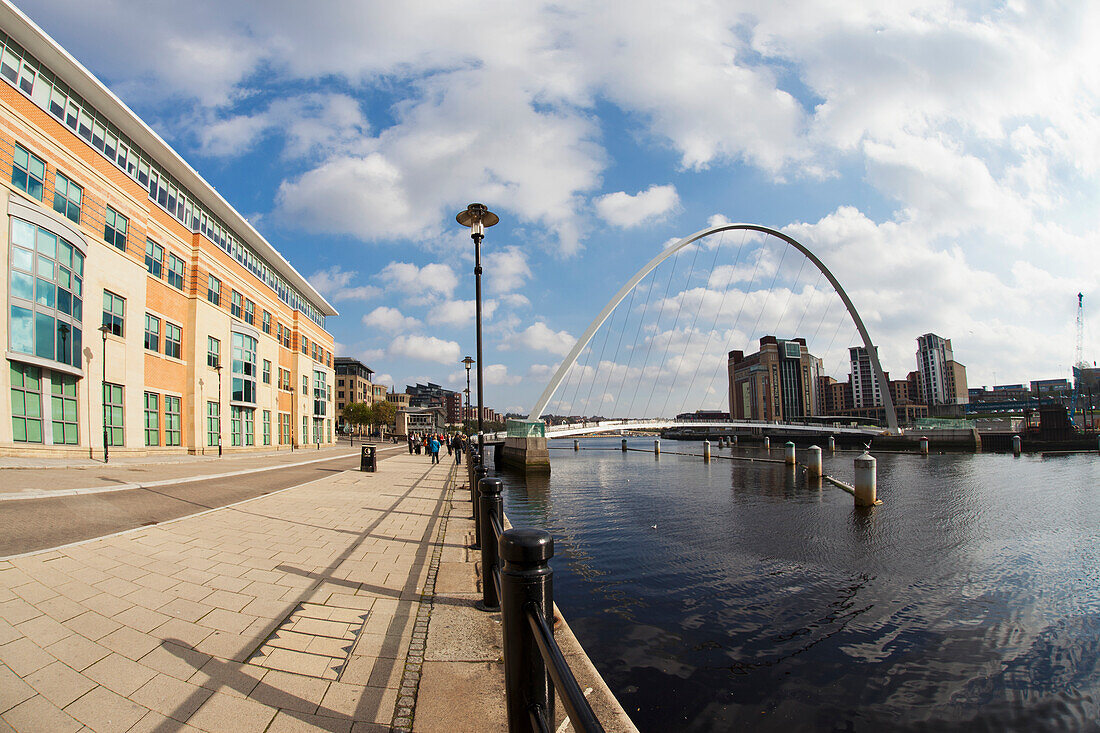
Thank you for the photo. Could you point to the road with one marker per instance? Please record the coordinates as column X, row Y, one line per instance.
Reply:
column 38, row 524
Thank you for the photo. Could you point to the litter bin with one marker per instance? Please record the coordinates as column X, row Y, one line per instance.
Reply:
column 367, row 459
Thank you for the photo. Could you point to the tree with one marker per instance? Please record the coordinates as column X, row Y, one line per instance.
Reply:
column 357, row 413
column 382, row 413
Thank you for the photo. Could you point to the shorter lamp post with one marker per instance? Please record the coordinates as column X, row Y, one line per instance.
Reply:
column 218, row 369
column 104, row 330
column 466, row 416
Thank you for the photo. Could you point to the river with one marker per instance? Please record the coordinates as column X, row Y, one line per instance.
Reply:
column 736, row 595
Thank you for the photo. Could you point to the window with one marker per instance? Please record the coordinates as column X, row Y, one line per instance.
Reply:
column 235, row 304
column 175, row 271
column 152, row 333
column 284, row 428
column 28, row 172
column 267, row 323
column 154, row 257
column 213, row 352
column 213, row 424
column 67, row 197
column 114, row 229
column 152, row 418
column 250, row 312
column 321, row 393
column 267, row 427
column 241, row 426
column 171, row 420
column 305, row 384
column 113, row 414
column 214, row 290
column 26, row 403
column 284, row 379
column 305, row 344
column 303, row 437
column 244, row 368
column 46, row 294
column 114, row 310
column 173, row 338
column 267, row 372
column 63, row 398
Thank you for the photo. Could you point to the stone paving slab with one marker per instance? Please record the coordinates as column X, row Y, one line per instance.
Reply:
column 158, row 628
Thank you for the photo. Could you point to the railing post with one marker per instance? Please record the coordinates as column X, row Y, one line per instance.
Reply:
column 491, row 505
column 479, row 534
column 526, row 586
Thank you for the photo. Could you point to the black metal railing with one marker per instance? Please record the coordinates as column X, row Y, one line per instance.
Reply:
column 517, row 578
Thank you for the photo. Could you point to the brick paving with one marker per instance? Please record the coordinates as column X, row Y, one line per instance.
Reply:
column 292, row 611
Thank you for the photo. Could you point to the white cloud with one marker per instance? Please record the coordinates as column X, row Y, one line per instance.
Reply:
column 540, row 337
column 418, row 282
column 425, row 348
column 389, row 320
column 497, row 374
column 509, row 270
column 625, row 210
column 335, row 284
column 383, row 378
column 459, row 312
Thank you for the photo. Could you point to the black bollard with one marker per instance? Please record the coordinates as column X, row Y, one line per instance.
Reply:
column 479, row 473
column 492, row 507
column 526, row 586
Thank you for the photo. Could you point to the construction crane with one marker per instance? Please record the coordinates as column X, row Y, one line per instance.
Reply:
column 1079, row 362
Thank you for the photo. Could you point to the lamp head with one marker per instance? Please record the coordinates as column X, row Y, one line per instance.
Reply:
column 104, row 329
column 468, row 362
column 477, row 217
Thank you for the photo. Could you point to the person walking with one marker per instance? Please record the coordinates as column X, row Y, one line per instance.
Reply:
column 433, row 447
column 409, row 437
column 456, row 446
column 450, row 446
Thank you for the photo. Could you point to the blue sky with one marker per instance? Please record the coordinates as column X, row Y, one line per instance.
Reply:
column 942, row 158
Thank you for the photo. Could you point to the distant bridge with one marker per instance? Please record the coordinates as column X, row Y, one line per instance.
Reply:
column 610, row 426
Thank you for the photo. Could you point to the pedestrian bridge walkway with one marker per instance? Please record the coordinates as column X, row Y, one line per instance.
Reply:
column 610, row 426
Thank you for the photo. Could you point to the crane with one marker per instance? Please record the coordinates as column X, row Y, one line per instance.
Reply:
column 1079, row 362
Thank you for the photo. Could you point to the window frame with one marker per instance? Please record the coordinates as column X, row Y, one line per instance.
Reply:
column 173, row 347
column 113, row 234
column 115, row 321
column 155, row 333
column 68, row 205
column 154, row 261
column 214, row 290
column 152, row 419
column 175, row 278
column 213, row 355
column 26, row 173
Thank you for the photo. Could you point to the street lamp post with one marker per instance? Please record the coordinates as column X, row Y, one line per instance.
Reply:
column 218, row 369
column 477, row 217
column 466, row 415
column 104, row 330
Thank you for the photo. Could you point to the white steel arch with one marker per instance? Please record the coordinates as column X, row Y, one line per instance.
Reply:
column 571, row 357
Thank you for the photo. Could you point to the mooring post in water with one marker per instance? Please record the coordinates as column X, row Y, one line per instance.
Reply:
column 1017, row 444
column 767, row 443
column 813, row 462
column 832, row 444
column 706, row 451
column 788, row 453
column 866, row 480
column 924, row 445
column 657, row 448
column 624, row 445
column 735, row 440
column 576, row 444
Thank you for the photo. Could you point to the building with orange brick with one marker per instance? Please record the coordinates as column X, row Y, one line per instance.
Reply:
column 142, row 311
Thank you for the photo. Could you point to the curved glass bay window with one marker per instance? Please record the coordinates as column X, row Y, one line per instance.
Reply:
column 47, row 294
column 244, row 368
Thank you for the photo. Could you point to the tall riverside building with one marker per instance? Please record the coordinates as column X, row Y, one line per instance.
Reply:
column 866, row 391
column 105, row 225
column 940, row 379
column 778, row 382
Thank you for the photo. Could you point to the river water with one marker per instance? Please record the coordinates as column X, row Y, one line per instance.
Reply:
column 736, row 595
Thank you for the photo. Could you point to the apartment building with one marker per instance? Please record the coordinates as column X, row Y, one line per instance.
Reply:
column 353, row 383
column 941, row 380
column 143, row 312
column 778, row 382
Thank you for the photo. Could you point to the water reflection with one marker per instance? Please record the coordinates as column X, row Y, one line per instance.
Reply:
column 764, row 600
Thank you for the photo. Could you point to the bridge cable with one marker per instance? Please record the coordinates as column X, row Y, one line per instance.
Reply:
column 618, row 346
column 580, row 377
column 634, row 348
column 717, row 313
column 768, row 294
column 790, row 294
column 809, row 303
column 657, row 329
column 675, row 324
column 736, row 321
column 694, row 321
column 606, row 335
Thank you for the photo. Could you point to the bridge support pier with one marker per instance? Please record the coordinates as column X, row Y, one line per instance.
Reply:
column 527, row 454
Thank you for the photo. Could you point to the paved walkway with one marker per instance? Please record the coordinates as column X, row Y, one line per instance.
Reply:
column 298, row 610
column 24, row 479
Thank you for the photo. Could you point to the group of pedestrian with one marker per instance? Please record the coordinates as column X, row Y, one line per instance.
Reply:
column 432, row 443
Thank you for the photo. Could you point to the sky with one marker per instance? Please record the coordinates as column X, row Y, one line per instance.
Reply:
column 942, row 158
